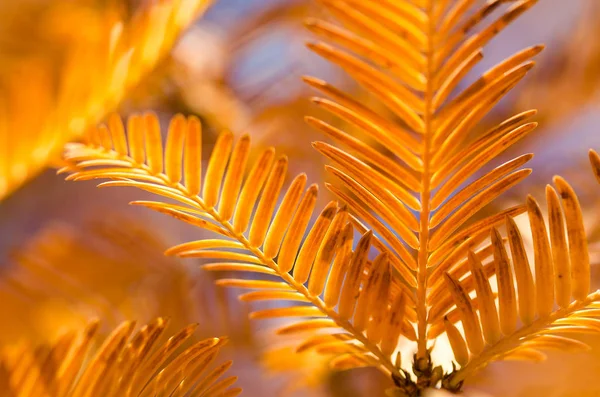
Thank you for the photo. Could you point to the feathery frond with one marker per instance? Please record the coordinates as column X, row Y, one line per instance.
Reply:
column 413, row 193
column 555, row 301
column 412, row 57
column 126, row 364
column 326, row 284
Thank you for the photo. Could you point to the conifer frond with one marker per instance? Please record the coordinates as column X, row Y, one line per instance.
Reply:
column 415, row 185
column 91, row 81
column 126, row 364
column 553, row 302
column 367, row 303
column 412, row 193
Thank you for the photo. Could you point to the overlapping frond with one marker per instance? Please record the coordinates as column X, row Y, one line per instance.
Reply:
column 93, row 78
column 125, row 364
column 423, row 179
column 553, row 302
column 324, row 282
column 412, row 192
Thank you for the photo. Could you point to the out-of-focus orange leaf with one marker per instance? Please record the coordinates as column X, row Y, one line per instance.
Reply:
column 66, row 78
column 113, row 270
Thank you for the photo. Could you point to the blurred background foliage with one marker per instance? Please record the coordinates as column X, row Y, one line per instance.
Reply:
column 67, row 256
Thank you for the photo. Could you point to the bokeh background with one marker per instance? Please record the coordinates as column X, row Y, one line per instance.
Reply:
column 69, row 252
